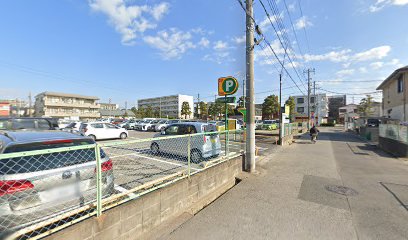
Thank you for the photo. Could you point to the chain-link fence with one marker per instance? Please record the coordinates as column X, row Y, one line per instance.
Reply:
column 42, row 191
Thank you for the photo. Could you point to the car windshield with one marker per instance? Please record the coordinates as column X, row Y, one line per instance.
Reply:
column 268, row 122
column 155, row 121
column 71, row 125
column 162, row 121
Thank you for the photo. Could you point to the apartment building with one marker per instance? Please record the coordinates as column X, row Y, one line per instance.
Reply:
column 66, row 106
column 336, row 102
column 319, row 108
column 168, row 106
column 394, row 88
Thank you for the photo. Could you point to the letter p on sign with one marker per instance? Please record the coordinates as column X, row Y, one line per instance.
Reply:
column 227, row 86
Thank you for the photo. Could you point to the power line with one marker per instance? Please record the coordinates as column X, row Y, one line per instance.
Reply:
column 279, row 38
column 351, row 81
column 367, row 93
column 304, row 28
column 293, row 28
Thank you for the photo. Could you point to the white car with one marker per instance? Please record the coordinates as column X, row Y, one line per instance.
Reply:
column 103, row 130
column 163, row 124
column 73, row 126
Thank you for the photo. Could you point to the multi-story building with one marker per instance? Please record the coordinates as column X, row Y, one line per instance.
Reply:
column 350, row 110
column 109, row 106
column 395, row 95
column 168, row 106
column 336, row 102
column 67, row 106
column 4, row 109
column 319, row 108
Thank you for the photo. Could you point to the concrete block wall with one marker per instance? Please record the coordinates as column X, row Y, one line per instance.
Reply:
column 136, row 219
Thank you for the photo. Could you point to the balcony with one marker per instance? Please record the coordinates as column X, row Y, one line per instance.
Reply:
column 75, row 104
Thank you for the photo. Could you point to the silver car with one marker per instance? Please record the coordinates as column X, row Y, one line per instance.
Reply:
column 163, row 124
column 202, row 146
column 35, row 188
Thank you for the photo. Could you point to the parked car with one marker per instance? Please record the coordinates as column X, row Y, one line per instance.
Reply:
column 268, row 125
column 102, row 130
column 219, row 125
column 131, row 124
column 35, row 188
column 28, row 123
column 160, row 126
column 74, row 126
column 202, row 146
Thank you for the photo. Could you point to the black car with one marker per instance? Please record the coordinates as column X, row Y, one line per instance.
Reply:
column 28, row 123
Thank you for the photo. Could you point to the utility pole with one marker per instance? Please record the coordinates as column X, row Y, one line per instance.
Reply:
column 243, row 93
column 125, row 107
column 308, row 96
column 250, row 103
column 160, row 107
column 30, row 113
column 198, row 106
column 281, row 124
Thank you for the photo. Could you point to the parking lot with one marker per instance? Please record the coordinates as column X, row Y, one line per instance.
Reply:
column 134, row 164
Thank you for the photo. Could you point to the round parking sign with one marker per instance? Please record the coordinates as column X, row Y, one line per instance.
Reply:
column 227, row 86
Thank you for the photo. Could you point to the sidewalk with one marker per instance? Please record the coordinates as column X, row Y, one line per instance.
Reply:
column 287, row 199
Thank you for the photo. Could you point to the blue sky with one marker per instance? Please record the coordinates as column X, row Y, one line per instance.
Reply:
column 130, row 49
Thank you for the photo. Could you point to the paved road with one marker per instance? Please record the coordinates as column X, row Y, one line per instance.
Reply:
column 289, row 197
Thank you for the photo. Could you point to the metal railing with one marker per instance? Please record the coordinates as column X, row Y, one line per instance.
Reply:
column 43, row 191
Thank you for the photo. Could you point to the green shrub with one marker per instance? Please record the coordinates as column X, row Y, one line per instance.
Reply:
column 327, row 125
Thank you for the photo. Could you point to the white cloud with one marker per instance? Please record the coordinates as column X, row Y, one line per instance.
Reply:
column 158, row 11
column 303, row 22
column 219, row 57
column 394, row 63
column 380, row 4
column 265, row 24
column 345, row 72
column 130, row 20
column 204, row 42
column 220, row 45
column 172, row 44
column 363, row 69
column 291, row 7
column 374, row 53
column 239, row 40
column 345, row 55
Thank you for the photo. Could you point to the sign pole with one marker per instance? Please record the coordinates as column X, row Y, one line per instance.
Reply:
column 226, row 126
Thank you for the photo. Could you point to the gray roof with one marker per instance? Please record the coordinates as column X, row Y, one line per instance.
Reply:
column 392, row 76
column 20, row 137
column 68, row 95
column 118, row 112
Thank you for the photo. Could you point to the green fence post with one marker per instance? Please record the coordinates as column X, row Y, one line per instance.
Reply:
column 98, row 180
column 227, row 143
column 189, row 155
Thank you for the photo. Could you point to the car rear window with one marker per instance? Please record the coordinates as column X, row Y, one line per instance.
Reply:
column 49, row 161
column 209, row 128
column 23, row 124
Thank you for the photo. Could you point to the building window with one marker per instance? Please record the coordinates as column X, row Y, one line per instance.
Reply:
column 400, row 85
column 312, row 99
column 343, row 110
column 300, row 100
column 300, row 109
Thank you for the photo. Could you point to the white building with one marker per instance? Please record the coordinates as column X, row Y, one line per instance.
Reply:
column 350, row 110
column 67, row 106
column 319, row 107
column 168, row 106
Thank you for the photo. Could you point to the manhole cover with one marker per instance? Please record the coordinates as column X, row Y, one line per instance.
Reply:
column 346, row 191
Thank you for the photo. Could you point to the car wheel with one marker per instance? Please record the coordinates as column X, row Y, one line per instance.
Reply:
column 93, row 137
column 155, row 148
column 196, row 156
column 123, row 136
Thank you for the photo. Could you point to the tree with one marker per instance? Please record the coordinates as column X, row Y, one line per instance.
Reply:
column 230, row 109
column 241, row 102
column 291, row 103
column 365, row 107
column 215, row 110
column 148, row 112
column 185, row 109
column 156, row 112
column 203, row 110
column 270, row 106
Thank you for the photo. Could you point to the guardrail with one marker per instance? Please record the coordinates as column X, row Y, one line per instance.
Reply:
column 43, row 191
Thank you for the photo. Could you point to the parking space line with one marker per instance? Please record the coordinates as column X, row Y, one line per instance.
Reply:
column 150, row 158
column 122, row 190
